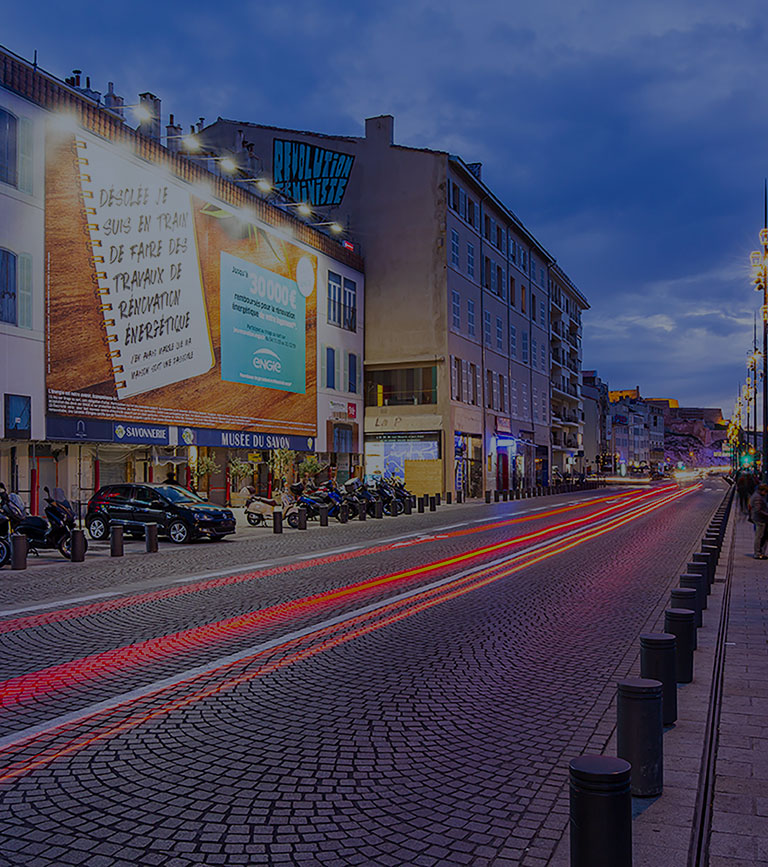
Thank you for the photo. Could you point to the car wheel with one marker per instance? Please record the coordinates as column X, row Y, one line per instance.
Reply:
column 178, row 532
column 255, row 519
column 5, row 552
column 98, row 528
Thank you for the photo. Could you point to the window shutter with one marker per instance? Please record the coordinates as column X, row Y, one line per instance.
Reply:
column 478, row 385
column 26, row 143
column 24, row 295
column 359, row 363
column 453, row 378
column 496, row 404
column 465, row 381
column 323, row 366
column 337, row 383
column 345, row 381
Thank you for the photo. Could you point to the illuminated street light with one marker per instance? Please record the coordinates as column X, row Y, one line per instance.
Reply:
column 262, row 183
column 335, row 227
column 759, row 261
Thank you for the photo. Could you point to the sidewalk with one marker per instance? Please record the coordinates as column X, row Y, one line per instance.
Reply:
column 663, row 828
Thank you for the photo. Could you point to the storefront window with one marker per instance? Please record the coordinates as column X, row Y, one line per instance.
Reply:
column 401, row 386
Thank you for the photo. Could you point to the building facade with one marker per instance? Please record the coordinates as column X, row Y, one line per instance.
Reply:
column 156, row 318
column 459, row 314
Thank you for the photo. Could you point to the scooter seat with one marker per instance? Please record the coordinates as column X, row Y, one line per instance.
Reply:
column 33, row 522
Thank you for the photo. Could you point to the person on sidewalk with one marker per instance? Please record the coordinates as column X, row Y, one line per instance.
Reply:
column 743, row 491
column 758, row 514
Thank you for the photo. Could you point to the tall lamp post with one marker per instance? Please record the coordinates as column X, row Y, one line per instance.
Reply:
column 759, row 260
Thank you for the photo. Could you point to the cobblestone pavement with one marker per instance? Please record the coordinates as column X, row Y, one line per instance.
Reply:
column 441, row 737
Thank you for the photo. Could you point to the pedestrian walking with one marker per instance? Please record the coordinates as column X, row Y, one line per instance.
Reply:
column 758, row 514
column 742, row 489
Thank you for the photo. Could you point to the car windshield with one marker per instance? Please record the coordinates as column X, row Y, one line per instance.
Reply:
column 178, row 495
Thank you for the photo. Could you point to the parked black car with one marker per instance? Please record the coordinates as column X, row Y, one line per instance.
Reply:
column 179, row 514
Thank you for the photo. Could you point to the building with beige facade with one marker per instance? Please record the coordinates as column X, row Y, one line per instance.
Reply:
column 463, row 305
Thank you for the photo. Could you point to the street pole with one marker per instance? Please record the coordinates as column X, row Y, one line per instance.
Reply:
column 759, row 261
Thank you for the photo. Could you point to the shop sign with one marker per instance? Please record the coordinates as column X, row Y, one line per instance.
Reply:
column 352, row 410
column 503, row 425
column 243, row 439
column 140, row 433
column 78, row 429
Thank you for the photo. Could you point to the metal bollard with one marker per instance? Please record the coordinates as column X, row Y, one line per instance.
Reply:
column 407, row 506
column 600, row 812
column 459, row 496
column 116, row 541
column 302, row 518
column 19, row 548
column 448, row 498
column 150, row 538
column 714, row 555
column 496, row 496
column 640, row 734
column 363, row 513
column 699, row 584
column 505, row 496
column 706, row 560
column 432, row 504
column 681, row 623
column 323, row 516
column 343, row 513
column 378, row 509
column 420, row 505
column 277, row 521
column 487, row 496
column 697, row 568
column 438, row 499
column 685, row 597
column 657, row 662
column 77, row 554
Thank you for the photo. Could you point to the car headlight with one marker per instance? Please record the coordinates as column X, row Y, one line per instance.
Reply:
column 203, row 516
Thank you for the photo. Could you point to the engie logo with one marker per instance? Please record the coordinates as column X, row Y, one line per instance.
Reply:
column 266, row 359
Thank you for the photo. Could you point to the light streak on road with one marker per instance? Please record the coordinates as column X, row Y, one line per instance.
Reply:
column 47, row 746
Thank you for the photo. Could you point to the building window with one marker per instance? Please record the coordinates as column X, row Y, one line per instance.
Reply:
column 495, row 288
column 454, row 248
column 500, row 281
column 487, row 228
column 522, row 299
column 487, row 273
column 499, row 334
column 489, row 389
column 535, row 403
column 352, row 372
column 487, row 328
column 543, row 357
column 473, row 384
column 512, row 298
column 502, row 395
column 499, row 238
column 462, row 204
column 456, row 309
column 18, row 417
column 534, row 353
column 330, row 367
column 471, row 260
column 533, row 307
column 524, row 347
column 513, row 341
column 471, row 211
column 513, row 249
column 514, row 409
column 403, row 386
column 456, row 378
column 470, row 317
column 8, row 286
column 349, row 311
column 9, row 139
column 334, row 298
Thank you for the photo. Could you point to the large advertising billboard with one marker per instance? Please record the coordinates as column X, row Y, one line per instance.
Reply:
column 166, row 306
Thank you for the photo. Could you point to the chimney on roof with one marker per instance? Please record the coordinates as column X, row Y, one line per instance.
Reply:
column 476, row 169
column 380, row 130
column 173, row 135
column 150, row 127
column 112, row 100
column 200, row 123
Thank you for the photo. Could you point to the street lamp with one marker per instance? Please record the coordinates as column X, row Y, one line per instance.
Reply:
column 759, row 261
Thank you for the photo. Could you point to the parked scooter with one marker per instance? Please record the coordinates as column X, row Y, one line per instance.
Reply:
column 260, row 510
column 42, row 535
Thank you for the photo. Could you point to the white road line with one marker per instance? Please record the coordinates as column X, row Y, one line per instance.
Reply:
column 148, row 689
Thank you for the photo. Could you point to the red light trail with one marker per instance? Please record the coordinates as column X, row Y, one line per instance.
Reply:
column 46, row 746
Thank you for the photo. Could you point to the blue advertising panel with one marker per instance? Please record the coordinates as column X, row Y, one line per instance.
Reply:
column 263, row 325
column 308, row 173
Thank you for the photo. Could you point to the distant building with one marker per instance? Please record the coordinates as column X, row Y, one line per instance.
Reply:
column 597, row 428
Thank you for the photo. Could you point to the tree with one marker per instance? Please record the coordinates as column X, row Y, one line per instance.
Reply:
column 281, row 462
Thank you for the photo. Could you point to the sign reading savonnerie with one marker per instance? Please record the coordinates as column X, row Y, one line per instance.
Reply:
column 307, row 173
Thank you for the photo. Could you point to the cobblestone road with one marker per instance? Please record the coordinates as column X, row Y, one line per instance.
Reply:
column 439, row 738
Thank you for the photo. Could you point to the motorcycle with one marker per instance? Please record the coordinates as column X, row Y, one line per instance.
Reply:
column 42, row 534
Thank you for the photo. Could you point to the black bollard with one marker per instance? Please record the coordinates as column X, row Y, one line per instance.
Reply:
column 640, row 733
column 459, row 496
column 420, row 505
column 407, row 506
column 19, row 548
column 496, row 496
column 699, row 584
column 682, row 624
column 323, row 516
column 378, row 509
column 505, row 496
column 302, row 518
column 487, row 496
column 448, row 498
column 714, row 555
column 685, row 597
column 277, row 521
column 706, row 561
column 116, row 541
column 343, row 513
column 657, row 662
column 77, row 554
column 600, row 812
column 438, row 499
column 150, row 538
column 432, row 504
column 363, row 513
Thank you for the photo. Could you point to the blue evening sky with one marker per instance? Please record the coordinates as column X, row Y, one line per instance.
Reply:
column 632, row 138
